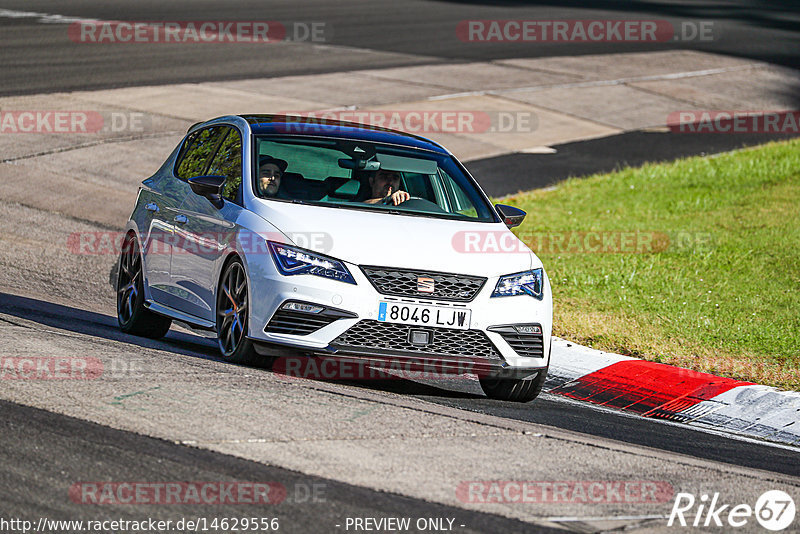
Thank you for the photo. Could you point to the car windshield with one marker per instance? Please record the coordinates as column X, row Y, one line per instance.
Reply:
column 356, row 174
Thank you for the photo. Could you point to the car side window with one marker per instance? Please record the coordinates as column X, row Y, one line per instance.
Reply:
column 197, row 150
column 228, row 163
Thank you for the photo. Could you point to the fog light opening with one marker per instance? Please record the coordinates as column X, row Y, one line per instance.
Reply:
column 302, row 307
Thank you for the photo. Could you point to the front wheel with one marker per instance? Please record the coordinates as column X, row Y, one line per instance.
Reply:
column 515, row 390
column 132, row 316
column 232, row 315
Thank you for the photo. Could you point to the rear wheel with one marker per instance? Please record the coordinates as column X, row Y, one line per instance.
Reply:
column 132, row 316
column 515, row 390
column 232, row 315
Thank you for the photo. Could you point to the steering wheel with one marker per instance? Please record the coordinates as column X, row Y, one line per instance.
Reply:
column 422, row 205
column 388, row 200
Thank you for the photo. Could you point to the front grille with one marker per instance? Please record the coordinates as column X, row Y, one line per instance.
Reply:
column 391, row 337
column 403, row 283
column 528, row 345
column 303, row 323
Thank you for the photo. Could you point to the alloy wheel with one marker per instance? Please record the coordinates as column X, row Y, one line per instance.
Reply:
column 130, row 271
column 232, row 309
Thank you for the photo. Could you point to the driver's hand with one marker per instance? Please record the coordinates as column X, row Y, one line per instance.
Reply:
column 396, row 198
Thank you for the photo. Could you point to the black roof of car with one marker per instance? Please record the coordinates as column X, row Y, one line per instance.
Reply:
column 322, row 127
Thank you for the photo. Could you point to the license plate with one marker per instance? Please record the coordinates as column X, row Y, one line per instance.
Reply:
column 421, row 315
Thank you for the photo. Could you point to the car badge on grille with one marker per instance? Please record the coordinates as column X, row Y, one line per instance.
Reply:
column 424, row 284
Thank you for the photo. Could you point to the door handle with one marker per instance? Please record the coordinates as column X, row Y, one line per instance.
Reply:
column 181, row 219
column 151, row 206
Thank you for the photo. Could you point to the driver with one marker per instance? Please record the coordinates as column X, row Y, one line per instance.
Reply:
column 384, row 186
column 270, row 171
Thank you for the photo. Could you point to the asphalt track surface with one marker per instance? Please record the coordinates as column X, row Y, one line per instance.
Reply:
column 70, row 449
column 41, row 453
column 37, row 57
column 548, row 410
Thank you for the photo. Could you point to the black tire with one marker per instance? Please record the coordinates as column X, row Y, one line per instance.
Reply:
column 233, row 310
column 132, row 316
column 510, row 389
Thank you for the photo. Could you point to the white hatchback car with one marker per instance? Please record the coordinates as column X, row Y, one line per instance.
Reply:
column 313, row 238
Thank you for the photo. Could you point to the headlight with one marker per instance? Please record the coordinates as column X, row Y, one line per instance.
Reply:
column 528, row 282
column 292, row 260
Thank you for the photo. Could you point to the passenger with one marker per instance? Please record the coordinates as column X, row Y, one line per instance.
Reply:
column 384, row 186
column 270, row 172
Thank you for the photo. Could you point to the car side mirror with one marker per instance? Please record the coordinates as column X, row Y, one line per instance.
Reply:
column 209, row 187
column 511, row 216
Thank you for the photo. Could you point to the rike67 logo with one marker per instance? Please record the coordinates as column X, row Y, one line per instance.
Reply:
column 774, row 510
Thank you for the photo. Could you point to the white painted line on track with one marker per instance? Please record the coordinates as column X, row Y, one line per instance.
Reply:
column 44, row 18
column 54, row 18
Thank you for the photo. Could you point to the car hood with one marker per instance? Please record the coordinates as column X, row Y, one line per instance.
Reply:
column 365, row 238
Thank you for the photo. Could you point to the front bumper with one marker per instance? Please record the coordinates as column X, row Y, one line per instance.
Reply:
column 483, row 349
